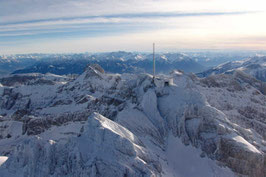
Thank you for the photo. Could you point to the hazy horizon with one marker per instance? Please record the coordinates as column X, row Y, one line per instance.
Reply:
column 221, row 51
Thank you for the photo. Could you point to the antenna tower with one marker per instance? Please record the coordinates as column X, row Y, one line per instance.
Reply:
column 153, row 61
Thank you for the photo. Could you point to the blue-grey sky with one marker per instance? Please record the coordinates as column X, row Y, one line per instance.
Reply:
column 56, row 26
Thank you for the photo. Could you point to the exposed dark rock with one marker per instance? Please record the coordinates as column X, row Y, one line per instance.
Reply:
column 240, row 160
column 19, row 114
column 35, row 126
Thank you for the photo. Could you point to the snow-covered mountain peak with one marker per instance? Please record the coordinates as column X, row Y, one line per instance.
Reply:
column 102, row 124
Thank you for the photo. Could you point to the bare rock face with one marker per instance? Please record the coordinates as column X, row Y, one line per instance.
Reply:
column 94, row 70
column 245, row 161
column 37, row 125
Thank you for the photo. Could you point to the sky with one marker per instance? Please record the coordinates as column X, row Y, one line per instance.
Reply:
column 69, row 26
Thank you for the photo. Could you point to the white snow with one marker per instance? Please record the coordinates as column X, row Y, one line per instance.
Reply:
column 185, row 161
column 3, row 159
column 177, row 72
column 1, row 89
column 246, row 144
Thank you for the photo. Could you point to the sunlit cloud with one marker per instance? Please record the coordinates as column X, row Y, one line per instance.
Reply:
column 90, row 25
column 88, row 21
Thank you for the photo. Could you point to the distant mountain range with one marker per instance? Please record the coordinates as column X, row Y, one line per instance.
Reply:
column 135, row 62
column 116, row 62
column 9, row 65
column 255, row 66
column 214, row 58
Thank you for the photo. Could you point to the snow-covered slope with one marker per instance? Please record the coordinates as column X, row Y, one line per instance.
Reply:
column 255, row 67
column 102, row 124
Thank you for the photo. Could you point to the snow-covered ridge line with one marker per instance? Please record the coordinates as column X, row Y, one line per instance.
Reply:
column 255, row 66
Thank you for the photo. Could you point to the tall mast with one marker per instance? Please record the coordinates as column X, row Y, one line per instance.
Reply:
column 153, row 61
